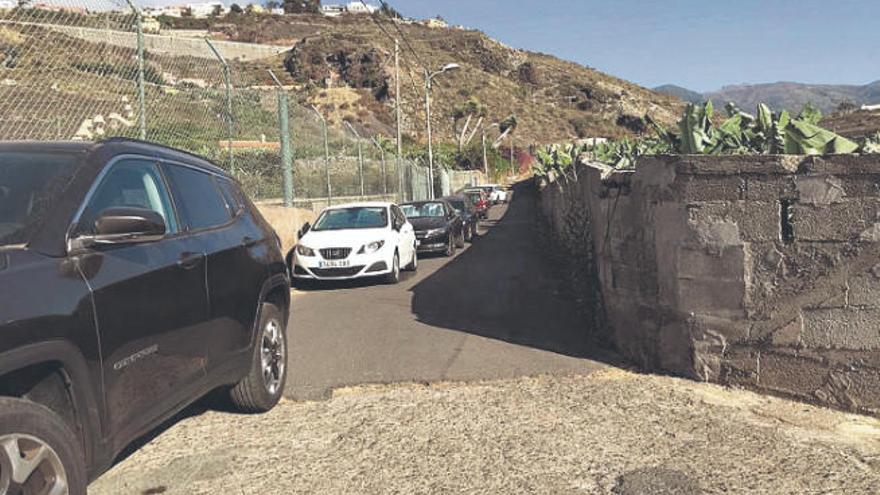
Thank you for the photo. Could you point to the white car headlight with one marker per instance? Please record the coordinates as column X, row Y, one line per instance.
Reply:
column 304, row 251
column 371, row 247
column 436, row 232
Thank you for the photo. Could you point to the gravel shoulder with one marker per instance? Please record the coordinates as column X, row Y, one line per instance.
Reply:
column 611, row 431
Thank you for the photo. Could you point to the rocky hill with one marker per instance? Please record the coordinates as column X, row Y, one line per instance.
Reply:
column 346, row 64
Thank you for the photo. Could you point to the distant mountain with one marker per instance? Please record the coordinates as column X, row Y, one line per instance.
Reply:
column 680, row 93
column 791, row 96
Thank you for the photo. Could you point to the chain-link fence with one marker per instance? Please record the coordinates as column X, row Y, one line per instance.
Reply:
column 92, row 69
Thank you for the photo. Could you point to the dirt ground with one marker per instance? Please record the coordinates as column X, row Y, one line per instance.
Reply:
column 608, row 432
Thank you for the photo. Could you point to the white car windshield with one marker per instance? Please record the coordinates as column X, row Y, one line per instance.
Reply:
column 374, row 217
column 424, row 210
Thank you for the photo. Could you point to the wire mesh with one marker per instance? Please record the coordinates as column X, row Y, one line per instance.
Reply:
column 71, row 69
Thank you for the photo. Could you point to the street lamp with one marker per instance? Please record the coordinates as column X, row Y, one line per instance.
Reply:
column 326, row 154
column 429, row 78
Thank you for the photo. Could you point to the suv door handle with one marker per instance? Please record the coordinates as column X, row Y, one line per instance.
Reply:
column 189, row 260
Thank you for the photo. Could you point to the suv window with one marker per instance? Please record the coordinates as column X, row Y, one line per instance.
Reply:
column 199, row 201
column 132, row 182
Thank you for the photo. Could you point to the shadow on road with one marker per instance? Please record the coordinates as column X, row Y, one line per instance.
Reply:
column 505, row 288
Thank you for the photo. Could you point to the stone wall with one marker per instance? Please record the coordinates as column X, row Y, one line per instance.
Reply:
column 759, row 271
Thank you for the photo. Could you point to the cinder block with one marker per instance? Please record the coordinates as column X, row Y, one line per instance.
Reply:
column 770, row 188
column 854, row 388
column 820, row 190
column 850, row 328
column 710, row 296
column 728, row 264
column 864, row 290
column 789, row 335
column 757, row 221
column 791, row 374
column 840, row 165
column 712, row 188
column 739, row 366
column 841, row 221
column 736, row 165
column 726, row 331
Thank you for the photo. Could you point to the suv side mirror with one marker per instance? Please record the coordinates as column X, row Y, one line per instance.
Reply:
column 126, row 225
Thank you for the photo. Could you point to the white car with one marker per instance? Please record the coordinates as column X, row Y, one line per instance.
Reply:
column 354, row 241
column 496, row 193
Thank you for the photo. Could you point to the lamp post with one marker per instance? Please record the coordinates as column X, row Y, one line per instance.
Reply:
column 360, row 157
column 326, row 154
column 429, row 78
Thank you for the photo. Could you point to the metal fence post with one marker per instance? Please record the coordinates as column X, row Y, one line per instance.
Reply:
column 384, row 174
column 286, row 151
column 230, row 118
column 142, row 98
column 360, row 158
column 326, row 154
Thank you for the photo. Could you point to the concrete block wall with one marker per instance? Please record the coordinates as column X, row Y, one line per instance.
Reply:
column 760, row 271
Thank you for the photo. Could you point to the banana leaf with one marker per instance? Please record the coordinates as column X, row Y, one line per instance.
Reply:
column 805, row 138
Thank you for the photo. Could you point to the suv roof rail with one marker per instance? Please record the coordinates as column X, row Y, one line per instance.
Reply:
column 122, row 139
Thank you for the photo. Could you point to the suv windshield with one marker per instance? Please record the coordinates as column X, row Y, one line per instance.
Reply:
column 424, row 210
column 29, row 185
column 352, row 218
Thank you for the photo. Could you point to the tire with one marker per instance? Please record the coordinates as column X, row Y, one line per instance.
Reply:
column 258, row 392
column 459, row 239
column 393, row 277
column 474, row 234
column 414, row 264
column 24, row 426
column 469, row 234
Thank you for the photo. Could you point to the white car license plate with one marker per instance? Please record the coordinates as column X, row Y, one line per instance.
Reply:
column 333, row 264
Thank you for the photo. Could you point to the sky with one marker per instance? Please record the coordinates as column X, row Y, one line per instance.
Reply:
column 699, row 44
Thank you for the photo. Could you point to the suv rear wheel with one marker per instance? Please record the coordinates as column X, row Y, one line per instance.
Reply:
column 38, row 451
column 263, row 386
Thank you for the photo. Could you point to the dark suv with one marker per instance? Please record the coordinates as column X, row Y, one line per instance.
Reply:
column 134, row 279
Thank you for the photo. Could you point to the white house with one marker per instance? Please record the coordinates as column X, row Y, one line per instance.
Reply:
column 359, row 8
column 355, row 8
column 206, row 9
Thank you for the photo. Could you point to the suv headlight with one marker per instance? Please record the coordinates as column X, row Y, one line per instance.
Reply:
column 371, row 247
column 304, row 251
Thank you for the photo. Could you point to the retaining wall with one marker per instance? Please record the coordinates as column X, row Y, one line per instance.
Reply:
column 760, row 271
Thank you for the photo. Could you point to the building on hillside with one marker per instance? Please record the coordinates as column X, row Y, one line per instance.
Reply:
column 360, row 8
column 253, row 8
column 277, row 11
column 436, row 23
column 169, row 11
column 355, row 8
column 60, row 8
column 207, row 9
column 151, row 25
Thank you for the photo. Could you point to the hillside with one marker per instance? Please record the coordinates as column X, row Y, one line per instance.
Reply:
column 681, row 93
column 789, row 95
column 347, row 66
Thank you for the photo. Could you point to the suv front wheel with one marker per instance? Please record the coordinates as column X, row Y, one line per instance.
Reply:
column 263, row 386
column 38, row 451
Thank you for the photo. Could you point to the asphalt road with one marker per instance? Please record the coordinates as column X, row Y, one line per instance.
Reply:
column 492, row 311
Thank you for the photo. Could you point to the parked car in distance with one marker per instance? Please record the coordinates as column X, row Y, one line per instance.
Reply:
column 497, row 194
column 135, row 279
column 354, row 241
column 468, row 213
column 479, row 199
column 439, row 229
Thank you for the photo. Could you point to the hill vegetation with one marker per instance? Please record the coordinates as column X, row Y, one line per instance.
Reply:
column 346, row 66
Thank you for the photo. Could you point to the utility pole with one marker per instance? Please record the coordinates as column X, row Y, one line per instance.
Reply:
column 399, row 123
column 485, row 157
